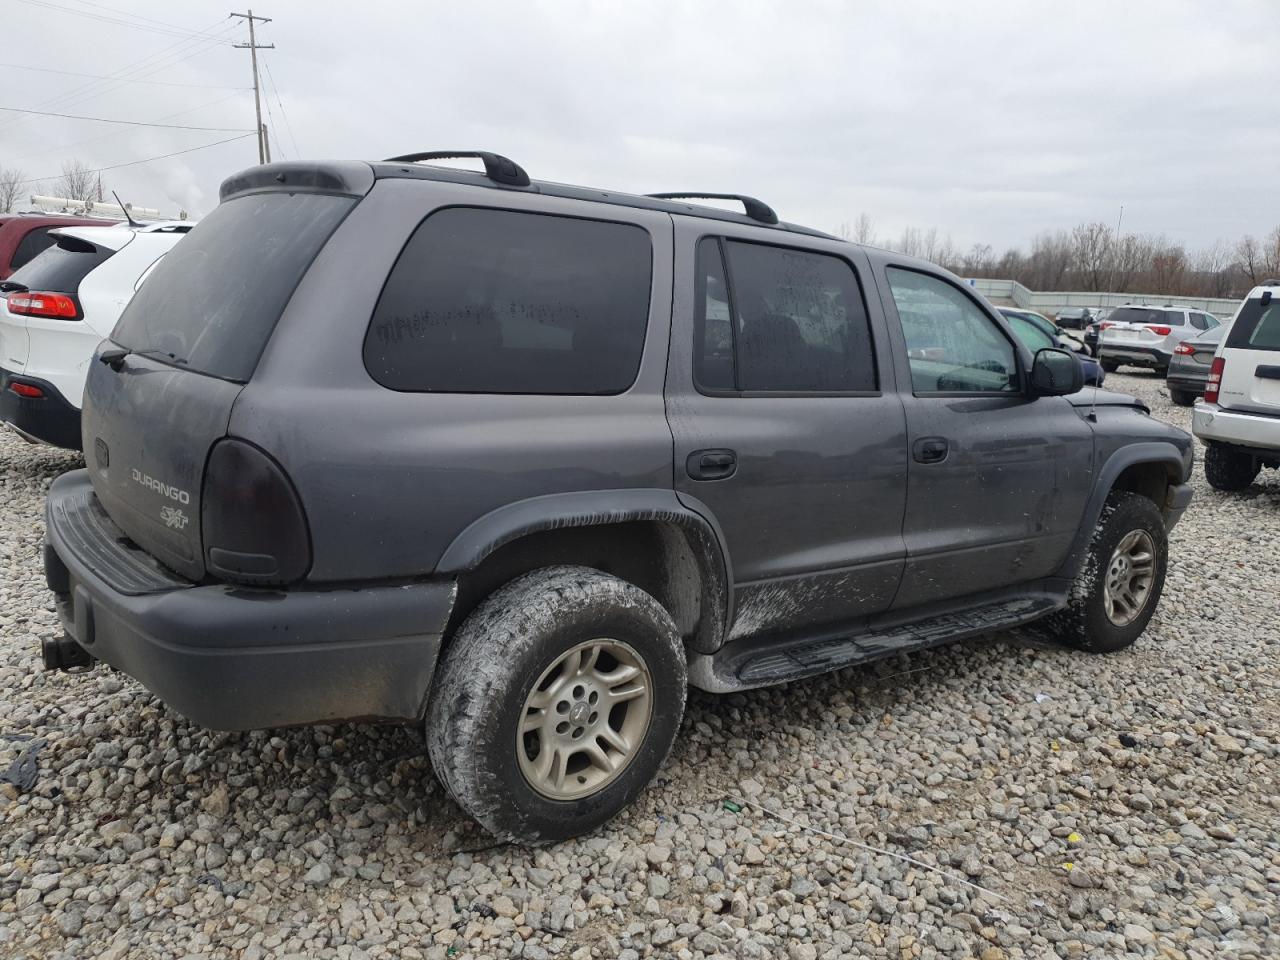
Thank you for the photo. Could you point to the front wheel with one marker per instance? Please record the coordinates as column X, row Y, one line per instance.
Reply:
column 1115, row 594
column 1111, row 366
column 1228, row 469
column 556, row 703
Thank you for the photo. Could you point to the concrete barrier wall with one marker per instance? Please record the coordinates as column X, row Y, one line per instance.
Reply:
column 1051, row 302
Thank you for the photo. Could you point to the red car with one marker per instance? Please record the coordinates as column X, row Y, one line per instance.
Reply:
column 23, row 235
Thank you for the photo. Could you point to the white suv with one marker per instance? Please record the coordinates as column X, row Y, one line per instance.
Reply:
column 56, row 309
column 1143, row 335
column 1239, row 418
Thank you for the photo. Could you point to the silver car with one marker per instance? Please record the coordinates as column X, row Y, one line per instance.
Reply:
column 1189, row 368
column 1141, row 335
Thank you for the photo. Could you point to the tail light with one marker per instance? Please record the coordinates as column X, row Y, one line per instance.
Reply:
column 35, row 303
column 1105, row 326
column 1160, row 331
column 252, row 521
column 1183, row 350
column 1214, row 383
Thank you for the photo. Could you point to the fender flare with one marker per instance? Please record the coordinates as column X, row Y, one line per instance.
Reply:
column 494, row 530
column 1155, row 451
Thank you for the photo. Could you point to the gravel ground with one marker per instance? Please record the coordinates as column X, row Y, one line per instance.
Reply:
column 1107, row 806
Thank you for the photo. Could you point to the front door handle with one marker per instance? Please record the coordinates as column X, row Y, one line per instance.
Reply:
column 930, row 449
column 719, row 464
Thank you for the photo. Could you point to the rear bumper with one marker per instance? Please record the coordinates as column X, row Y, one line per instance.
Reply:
column 1134, row 355
column 235, row 658
column 48, row 419
column 1188, row 381
column 1255, row 431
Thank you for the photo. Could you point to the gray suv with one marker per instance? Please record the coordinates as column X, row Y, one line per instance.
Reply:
column 521, row 461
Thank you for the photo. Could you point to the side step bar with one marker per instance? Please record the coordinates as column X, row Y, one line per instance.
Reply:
column 763, row 664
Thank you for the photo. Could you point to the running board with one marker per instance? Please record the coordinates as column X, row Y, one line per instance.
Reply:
column 763, row 664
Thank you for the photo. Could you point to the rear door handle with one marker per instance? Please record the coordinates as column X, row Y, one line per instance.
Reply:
column 718, row 464
column 1267, row 372
column 930, row 449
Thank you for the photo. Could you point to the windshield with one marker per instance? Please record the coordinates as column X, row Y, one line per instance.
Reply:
column 1032, row 337
column 213, row 301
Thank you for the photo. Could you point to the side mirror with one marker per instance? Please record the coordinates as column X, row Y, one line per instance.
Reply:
column 1056, row 373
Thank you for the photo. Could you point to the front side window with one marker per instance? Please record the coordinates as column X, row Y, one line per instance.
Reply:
column 952, row 345
column 788, row 321
column 496, row 301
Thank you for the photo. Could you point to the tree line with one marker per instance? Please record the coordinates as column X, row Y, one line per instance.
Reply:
column 1093, row 257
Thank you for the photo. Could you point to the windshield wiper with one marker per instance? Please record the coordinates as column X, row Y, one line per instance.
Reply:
column 114, row 356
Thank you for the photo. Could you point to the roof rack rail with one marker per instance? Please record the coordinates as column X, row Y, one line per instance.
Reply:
column 496, row 167
column 1270, row 283
column 756, row 209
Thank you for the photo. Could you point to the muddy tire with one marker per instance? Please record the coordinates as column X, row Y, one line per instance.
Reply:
column 1111, row 366
column 1119, row 586
column 1182, row 398
column 1228, row 469
column 556, row 703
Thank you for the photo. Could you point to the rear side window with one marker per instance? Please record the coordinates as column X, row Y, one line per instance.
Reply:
column 61, row 267
column 496, row 301
column 1257, row 327
column 788, row 321
column 213, row 301
column 36, row 241
column 1175, row 318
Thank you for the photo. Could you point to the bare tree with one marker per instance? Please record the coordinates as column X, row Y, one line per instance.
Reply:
column 78, row 182
column 1091, row 254
column 1271, row 255
column 11, row 183
column 1249, row 254
column 1212, row 266
column 909, row 242
column 864, row 230
column 1168, row 268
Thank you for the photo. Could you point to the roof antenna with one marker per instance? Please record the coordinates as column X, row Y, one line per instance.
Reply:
column 127, row 215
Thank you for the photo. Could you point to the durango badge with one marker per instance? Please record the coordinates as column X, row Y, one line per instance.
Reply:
column 164, row 489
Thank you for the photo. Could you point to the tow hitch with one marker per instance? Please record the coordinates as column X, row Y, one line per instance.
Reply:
column 63, row 653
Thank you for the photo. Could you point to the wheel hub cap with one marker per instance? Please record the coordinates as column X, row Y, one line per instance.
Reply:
column 584, row 719
column 1130, row 575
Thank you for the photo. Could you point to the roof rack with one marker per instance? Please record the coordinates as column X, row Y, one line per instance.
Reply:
column 496, row 167
column 756, row 209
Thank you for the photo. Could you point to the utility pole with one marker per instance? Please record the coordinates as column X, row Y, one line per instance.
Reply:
column 253, row 47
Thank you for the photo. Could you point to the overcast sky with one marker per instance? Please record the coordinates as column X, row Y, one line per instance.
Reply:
column 992, row 121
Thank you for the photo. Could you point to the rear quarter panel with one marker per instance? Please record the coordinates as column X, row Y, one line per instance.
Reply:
column 389, row 479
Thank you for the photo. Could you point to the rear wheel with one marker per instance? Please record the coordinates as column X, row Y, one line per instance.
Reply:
column 1228, row 469
column 1181, row 397
column 1116, row 592
column 556, row 703
column 1111, row 366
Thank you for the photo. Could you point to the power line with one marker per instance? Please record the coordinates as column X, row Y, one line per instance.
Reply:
column 166, row 31
column 160, row 60
column 127, row 123
column 288, row 126
column 98, row 76
column 121, row 133
column 134, row 163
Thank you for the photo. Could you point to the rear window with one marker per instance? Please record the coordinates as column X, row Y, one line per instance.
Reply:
column 495, row 301
column 1257, row 327
column 35, row 242
column 1145, row 315
column 214, row 300
column 60, row 268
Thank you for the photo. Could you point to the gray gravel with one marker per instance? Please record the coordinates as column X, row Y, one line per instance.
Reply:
column 1154, row 773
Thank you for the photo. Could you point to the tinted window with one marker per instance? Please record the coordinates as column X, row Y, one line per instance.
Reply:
column 1257, row 327
column 1032, row 337
column 213, row 301
column 493, row 301
column 60, row 268
column 30, row 245
column 799, row 323
column 1175, row 318
column 953, row 346
column 1140, row 315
